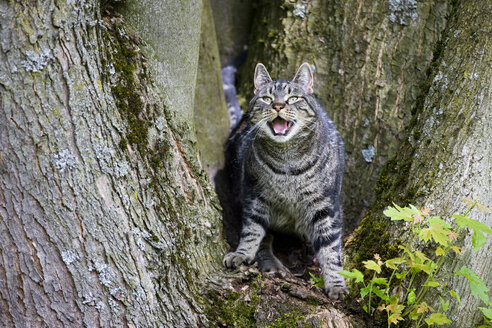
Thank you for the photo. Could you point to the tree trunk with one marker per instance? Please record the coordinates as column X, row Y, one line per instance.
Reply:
column 106, row 216
column 211, row 120
column 369, row 59
column 447, row 153
column 233, row 23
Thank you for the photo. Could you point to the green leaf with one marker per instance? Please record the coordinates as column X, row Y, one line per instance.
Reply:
column 440, row 251
column 364, row 291
column 412, row 257
column 421, row 256
column 355, row 274
column 478, row 228
column 397, row 213
column 380, row 293
column 365, row 308
column 464, row 221
column 444, row 305
column 487, row 312
column 417, row 267
column 432, row 283
column 477, row 287
column 317, row 281
column 380, row 281
column 455, row 295
column 411, row 297
column 414, row 315
column 393, row 263
column 436, row 219
column 478, row 240
column 437, row 232
column 400, row 276
column 437, row 318
column 371, row 265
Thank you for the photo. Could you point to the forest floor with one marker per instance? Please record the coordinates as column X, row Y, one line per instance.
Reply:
column 252, row 299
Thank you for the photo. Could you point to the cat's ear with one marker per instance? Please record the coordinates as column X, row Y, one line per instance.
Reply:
column 304, row 77
column 261, row 77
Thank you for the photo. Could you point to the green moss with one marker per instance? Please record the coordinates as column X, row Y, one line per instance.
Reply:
column 123, row 144
column 371, row 237
column 123, row 54
column 288, row 320
column 232, row 310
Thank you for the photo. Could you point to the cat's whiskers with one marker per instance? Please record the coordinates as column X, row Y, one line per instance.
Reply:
column 255, row 127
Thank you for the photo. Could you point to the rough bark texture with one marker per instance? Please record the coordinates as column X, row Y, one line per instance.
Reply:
column 369, row 59
column 106, row 218
column 447, row 153
column 211, row 120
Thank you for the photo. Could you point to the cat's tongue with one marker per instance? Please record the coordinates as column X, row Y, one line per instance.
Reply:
column 279, row 125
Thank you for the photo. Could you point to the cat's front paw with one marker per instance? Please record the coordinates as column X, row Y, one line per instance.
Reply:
column 337, row 292
column 234, row 260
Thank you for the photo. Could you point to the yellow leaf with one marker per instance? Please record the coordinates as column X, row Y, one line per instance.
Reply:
column 371, row 265
column 481, row 207
column 394, row 318
column 452, row 235
column 421, row 256
column 425, row 211
column 456, row 249
column 468, row 201
column 440, row 251
column 423, row 307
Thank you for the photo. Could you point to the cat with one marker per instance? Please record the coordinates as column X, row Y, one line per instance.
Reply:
column 288, row 165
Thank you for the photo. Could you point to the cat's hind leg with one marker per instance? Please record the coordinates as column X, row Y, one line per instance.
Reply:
column 267, row 261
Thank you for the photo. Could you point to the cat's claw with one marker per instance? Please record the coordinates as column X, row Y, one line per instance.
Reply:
column 336, row 293
column 233, row 260
column 272, row 266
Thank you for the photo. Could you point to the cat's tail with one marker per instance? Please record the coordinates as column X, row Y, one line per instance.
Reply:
column 229, row 85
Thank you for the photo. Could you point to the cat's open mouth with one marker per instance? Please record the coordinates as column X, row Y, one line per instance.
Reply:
column 280, row 126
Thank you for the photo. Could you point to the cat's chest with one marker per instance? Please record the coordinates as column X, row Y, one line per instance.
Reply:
column 282, row 191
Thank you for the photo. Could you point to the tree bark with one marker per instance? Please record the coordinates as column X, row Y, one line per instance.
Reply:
column 369, row 59
column 210, row 115
column 233, row 23
column 106, row 218
column 446, row 153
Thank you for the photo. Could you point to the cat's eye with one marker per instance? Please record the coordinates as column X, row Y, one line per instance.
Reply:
column 292, row 99
column 266, row 99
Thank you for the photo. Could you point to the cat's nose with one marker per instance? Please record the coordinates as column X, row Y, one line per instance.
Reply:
column 278, row 106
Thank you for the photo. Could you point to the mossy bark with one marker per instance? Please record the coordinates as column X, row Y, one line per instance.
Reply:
column 106, row 218
column 369, row 61
column 446, row 153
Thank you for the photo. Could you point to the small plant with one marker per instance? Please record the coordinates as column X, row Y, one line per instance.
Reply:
column 316, row 280
column 400, row 296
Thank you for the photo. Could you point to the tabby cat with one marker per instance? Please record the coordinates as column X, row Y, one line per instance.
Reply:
column 288, row 161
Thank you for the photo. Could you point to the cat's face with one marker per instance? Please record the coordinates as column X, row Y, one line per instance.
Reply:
column 280, row 110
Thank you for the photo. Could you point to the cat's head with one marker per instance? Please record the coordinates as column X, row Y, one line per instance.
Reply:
column 282, row 110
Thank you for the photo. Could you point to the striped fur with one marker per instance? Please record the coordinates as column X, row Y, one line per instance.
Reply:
column 288, row 162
